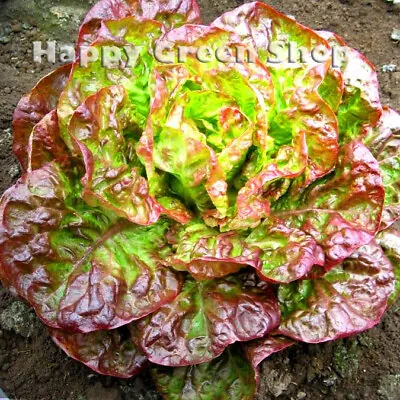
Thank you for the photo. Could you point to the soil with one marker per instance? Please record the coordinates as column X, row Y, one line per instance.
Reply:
column 33, row 368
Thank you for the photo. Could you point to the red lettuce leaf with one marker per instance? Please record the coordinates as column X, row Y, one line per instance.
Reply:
column 132, row 72
column 205, row 318
column 279, row 254
column 258, row 350
column 202, row 119
column 389, row 240
column 106, row 136
column 208, row 254
column 33, row 107
column 253, row 200
column 111, row 352
column 179, row 11
column 228, row 377
column 81, row 269
column 45, row 144
column 285, row 254
column 171, row 13
column 360, row 106
column 258, row 25
column 347, row 300
column 341, row 211
column 298, row 109
column 384, row 143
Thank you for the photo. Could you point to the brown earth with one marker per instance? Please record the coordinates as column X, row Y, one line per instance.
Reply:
column 32, row 368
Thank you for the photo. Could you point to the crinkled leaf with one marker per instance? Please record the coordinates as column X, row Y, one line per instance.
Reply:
column 170, row 12
column 33, row 107
column 80, row 268
column 389, row 240
column 297, row 109
column 258, row 25
column 347, row 300
column 279, row 253
column 332, row 89
column 360, row 106
column 132, row 72
column 104, row 131
column 285, row 254
column 254, row 198
column 205, row 318
column 384, row 143
column 342, row 211
column 228, row 377
column 110, row 352
column 208, row 254
column 45, row 144
column 202, row 119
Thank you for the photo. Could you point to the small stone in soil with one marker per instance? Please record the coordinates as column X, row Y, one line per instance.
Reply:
column 330, row 381
column 395, row 35
column 389, row 68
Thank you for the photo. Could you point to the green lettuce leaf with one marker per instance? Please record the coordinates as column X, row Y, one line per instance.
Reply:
column 384, row 143
column 114, row 176
column 132, row 72
column 228, row 377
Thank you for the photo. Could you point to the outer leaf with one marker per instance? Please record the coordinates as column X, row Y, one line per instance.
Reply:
column 206, row 318
column 342, row 211
column 105, row 352
column 131, row 73
column 80, row 268
column 45, row 144
column 332, row 87
column 258, row 350
column 389, row 240
column 33, row 107
column 347, row 300
column 286, row 254
column 360, row 106
column 171, row 12
column 228, row 377
column 384, row 143
column 258, row 25
column 208, row 254
column 104, row 131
